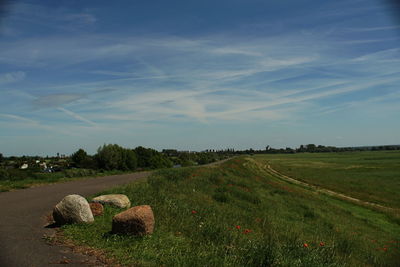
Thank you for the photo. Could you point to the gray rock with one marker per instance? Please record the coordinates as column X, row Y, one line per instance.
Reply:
column 138, row 220
column 72, row 209
column 118, row 200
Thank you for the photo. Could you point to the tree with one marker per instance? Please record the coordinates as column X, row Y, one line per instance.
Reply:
column 311, row 148
column 150, row 158
column 115, row 157
column 109, row 157
column 1, row 158
column 79, row 157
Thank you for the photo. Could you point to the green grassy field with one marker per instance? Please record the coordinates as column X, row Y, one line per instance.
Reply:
column 19, row 179
column 372, row 176
column 236, row 214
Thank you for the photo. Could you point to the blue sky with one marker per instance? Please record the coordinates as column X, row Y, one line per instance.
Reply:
column 194, row 75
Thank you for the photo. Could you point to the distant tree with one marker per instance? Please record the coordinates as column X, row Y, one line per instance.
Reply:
column 89, row 163
column 79, row 157
column 150, row 158
column 311, row 148
column 109, row 157
column 1, row 158
column 115, row 157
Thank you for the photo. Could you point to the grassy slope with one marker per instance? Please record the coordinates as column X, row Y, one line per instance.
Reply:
column 279, row 217
column 369, row 176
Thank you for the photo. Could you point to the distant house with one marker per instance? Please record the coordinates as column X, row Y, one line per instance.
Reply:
column 43, row 165
column 24, row 166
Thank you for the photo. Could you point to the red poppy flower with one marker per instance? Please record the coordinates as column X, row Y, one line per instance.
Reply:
column 194, row 212
column 305, row 245
column 246, row 231
column 238, row 227
column 321, row 244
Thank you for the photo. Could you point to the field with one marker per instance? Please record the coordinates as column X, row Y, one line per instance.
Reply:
column 237, row 214
column 372, row 176
column 19, row 179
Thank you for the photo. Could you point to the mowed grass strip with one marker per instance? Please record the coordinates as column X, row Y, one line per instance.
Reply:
column 236, row 214
column 372, row 176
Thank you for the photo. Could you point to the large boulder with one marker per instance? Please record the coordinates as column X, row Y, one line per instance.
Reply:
column 138, row 220
column 97, row 208
column 118, row 200
column 72, row 209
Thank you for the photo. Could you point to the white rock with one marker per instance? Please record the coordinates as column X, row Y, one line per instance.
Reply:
column 118, row 200
column 73, row 209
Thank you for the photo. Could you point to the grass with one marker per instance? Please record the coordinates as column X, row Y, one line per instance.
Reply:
column 372, row 176
column 19, row 179
column 236, row 214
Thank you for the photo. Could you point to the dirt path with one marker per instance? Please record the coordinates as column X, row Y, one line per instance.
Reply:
column 269, row 169
column 22, row 221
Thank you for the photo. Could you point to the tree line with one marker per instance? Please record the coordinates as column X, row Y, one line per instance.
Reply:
column 115, row 157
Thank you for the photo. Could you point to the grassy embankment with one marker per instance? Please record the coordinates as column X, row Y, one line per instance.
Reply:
column 237, row 214
column 19, row 179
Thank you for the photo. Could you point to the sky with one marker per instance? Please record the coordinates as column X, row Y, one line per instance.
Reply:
column 196, row 75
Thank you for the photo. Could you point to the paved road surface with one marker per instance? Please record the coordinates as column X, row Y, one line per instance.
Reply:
column 22, row 221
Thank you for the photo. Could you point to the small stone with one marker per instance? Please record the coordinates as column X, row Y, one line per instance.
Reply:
column 138, row 220
column 96, row 208
column 72, row 209
column 118, row 200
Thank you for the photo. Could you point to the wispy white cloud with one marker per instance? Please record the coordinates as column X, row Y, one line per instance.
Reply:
column 24, row 122
column 12, row 77
column 380, row 55
column 18, row 118
column 55, row 100
column 58, row 18
column 77, row 116
column 368, row 41
column 371, row 29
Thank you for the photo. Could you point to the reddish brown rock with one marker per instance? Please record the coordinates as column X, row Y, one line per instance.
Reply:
column 138, row 220
column 97, row 208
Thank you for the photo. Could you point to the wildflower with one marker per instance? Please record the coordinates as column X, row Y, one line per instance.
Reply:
column 194, row 212
column 246, row 231
column 238, row 227
column 305, row 245
column 384, row 249
column 321, row 244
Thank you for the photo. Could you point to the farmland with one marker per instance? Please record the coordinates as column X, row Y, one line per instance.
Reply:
column 238, row 214
column 372, row 176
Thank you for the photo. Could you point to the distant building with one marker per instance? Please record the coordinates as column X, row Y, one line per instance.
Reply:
column 24, row 166
column 43, row 165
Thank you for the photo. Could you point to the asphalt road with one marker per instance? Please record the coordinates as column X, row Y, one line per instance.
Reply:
column 23, row 220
